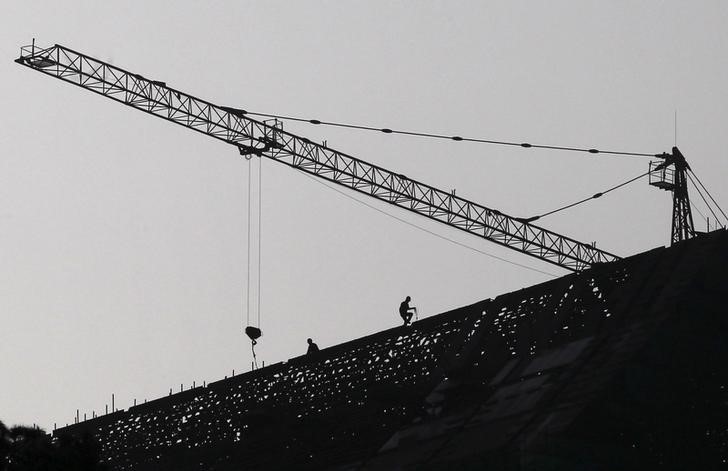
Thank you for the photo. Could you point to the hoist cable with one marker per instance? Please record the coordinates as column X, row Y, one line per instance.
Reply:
column 596, row 195
column 709, row 195
column 248, row 276
column 448, row 137
column 260, row 228
column 255, row 359
column 427, row 230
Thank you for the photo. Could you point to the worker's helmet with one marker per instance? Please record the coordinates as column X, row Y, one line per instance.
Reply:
column 309, row 340
column 408, row 298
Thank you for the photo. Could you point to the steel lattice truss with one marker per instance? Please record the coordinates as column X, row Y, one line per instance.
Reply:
column 263, row 139
column 682, row 217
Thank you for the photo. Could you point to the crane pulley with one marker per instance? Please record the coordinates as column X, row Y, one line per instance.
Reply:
column 271, row 141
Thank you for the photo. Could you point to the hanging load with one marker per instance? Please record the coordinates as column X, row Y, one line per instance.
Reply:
column 253, row 333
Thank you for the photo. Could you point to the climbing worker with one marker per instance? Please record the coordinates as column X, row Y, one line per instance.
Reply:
column 312, row 347
column 406, row 311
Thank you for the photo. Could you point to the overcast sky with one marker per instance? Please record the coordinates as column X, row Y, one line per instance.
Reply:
column 123, row 250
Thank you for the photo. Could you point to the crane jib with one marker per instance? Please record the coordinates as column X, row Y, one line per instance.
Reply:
column 255, row 137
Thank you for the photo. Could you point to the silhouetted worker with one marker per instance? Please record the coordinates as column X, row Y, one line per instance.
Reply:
column 406, row 311
column 312, row 347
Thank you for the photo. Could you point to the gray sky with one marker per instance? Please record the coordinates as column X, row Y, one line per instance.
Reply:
column 123, row 237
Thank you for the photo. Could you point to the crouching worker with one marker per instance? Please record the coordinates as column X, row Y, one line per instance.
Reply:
column 406, row 311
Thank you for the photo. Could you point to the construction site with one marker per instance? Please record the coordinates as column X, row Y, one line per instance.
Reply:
column 615, row 361
column 611, row 366
column 614, row 367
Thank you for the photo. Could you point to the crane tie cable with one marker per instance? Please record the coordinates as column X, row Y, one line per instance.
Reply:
column 717, row 219
column 709, row 195
column 699, row 212
column 594, row 196
column 452, row 138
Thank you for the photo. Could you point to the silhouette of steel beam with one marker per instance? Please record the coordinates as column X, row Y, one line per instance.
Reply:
column 254, row 137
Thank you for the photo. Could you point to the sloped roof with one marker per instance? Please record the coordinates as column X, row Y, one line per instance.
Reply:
column 620, row 365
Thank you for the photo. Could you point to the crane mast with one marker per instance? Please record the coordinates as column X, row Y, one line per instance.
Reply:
column 671, row 175
column 264, row 139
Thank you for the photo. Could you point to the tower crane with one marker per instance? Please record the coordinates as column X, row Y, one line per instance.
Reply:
column 266, row 139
